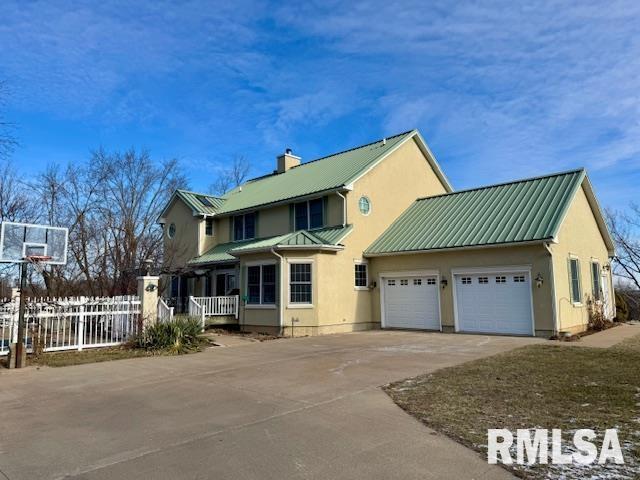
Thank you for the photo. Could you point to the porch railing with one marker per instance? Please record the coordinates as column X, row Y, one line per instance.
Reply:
column 165, row 312
column 212, row 306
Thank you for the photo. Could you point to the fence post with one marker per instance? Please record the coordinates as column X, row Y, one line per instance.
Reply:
column 148, row 294
column 81, row 323
column 15, row 303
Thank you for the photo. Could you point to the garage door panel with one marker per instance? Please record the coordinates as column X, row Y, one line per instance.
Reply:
column 494, row 302
column 411, row 302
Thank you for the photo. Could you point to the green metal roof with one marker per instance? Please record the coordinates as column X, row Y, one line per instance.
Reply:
column 319, row 175
column 200, row 202
column 520, row 211
column 227, row 252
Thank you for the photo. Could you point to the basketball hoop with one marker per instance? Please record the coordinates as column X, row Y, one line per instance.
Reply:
column 38, row 261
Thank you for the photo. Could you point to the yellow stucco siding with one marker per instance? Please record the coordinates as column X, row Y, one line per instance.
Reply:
column 273, row 221
column 579, row 236
column 533, row 256
column 185, row 244
column 391, row 186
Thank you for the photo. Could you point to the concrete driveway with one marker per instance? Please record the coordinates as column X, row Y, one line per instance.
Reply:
column 301, row 408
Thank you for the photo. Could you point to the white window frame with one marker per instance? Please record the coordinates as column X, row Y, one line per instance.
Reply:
column 364, row 197
column 573, row 302
column 206, row 222
column 366, row 264
column 259, row 306
column 309, row 261
column 595, row 261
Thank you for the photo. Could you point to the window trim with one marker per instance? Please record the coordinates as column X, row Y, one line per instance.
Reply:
column 366, row 286
column 292, row 261
column 244, row 227
column 257, row 306
column 597, row 296
column 208, row 222
column 175, row 229
column 364, row 197
column 575, row 303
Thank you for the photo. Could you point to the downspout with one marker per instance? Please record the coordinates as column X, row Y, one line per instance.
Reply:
column 556, row 330
column 344, row 209
column 281, row 292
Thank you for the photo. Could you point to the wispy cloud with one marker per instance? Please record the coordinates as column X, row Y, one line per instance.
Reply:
column 499, row 89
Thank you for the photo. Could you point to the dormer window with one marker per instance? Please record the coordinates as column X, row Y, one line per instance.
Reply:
column 309, row 214
column 244, row 226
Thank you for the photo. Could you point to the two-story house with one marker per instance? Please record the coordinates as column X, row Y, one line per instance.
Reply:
column 341, row 244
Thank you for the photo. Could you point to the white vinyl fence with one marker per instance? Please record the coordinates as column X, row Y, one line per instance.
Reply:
column 165, row 312
column 71, row 323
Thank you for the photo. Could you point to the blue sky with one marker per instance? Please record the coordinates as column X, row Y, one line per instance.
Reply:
column 500, row 90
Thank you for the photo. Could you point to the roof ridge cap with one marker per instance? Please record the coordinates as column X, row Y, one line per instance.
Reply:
column 502, row 184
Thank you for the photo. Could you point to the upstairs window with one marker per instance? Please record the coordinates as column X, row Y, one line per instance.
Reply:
column 244, row 226
column 574, row 278
column 309, row 214
column 208, row 229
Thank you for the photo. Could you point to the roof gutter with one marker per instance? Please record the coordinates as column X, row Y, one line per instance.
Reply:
column 554, row 307
column 470, row 247
column 285, row 201
column 281, row 291
column 344, row 208
column 329, row 248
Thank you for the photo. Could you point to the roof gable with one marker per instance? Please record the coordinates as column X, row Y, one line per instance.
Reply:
column 521, row 211
column 199, row 203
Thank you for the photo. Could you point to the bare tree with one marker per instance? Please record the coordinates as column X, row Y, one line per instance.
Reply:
column 624, row 227
column 110, row 205
column 232, row 176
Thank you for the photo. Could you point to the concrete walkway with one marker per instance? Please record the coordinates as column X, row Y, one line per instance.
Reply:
column 607, row 338
column 301, row 408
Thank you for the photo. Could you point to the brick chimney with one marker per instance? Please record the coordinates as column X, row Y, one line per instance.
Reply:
column 287, row 161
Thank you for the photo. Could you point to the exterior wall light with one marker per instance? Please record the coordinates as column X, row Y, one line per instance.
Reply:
column 372, row 285
column 539, row 280
column 444, row 282
column 151, row 287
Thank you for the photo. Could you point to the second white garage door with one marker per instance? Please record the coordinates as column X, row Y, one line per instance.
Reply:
column 494, row 303
column 411, row 302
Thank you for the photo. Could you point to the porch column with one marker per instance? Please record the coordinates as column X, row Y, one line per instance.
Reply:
column 148, row 294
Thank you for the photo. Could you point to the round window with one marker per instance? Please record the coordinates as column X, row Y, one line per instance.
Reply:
column 365, row 205
column 171, row 231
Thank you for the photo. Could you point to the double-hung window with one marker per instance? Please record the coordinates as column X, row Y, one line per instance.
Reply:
column 261, row 284
column 309, row 214
column 208, row 229
column 300, row 286
column 244, row 226
column 361, row 277
column 595, row 280
column 574, row 278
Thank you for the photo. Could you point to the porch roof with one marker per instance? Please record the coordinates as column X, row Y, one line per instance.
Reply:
column 323, row 238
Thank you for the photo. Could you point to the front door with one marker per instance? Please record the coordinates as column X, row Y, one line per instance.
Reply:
column 221, row 284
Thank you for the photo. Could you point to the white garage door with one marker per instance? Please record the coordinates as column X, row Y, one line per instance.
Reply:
column 411, row 302
column 494, row 303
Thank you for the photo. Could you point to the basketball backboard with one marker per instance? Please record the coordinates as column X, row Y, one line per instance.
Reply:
column 21, row 240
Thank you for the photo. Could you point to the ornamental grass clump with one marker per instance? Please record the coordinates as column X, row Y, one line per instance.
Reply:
column 181, row 335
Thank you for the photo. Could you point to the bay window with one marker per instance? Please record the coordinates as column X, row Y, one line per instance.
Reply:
column 300, row 286
column 261, row 284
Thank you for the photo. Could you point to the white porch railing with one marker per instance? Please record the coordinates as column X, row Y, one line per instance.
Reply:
column 165, row 312
column 196, row 310
column 227, row 305
column 71, row 323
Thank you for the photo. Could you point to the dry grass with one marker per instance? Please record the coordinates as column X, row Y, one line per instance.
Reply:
column 537, row 386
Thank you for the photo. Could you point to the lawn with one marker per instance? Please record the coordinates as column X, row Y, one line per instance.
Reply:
column 541, row 386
